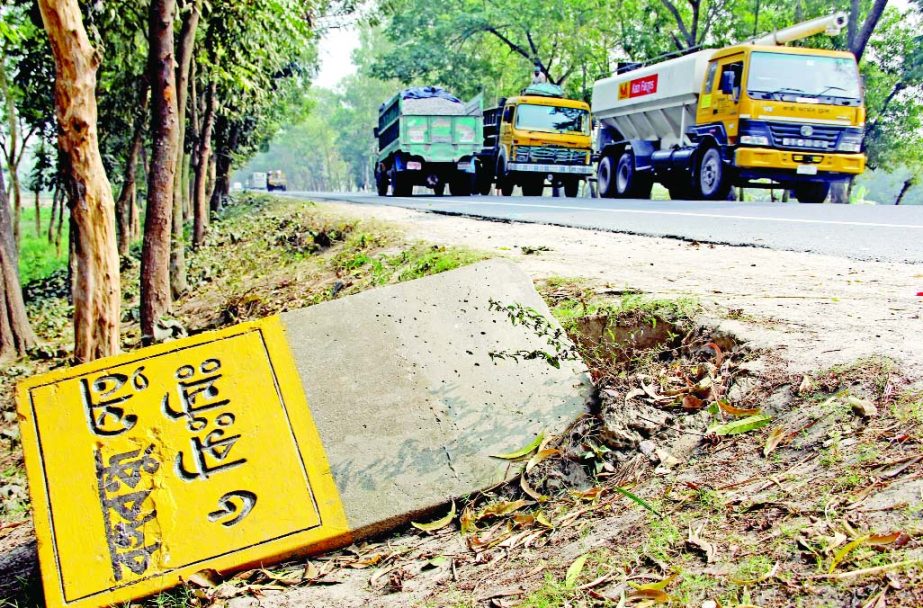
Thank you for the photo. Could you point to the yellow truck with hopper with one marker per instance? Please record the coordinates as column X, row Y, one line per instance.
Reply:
column 758, row 114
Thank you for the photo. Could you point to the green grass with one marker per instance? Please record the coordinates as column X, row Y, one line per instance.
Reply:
column 37, row 257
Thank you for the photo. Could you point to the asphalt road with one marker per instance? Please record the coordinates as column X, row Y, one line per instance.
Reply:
column 865, row 232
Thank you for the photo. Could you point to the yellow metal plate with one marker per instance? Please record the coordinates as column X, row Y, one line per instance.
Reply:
column 197, row 454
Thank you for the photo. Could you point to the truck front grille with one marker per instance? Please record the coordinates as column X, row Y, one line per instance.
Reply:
column 550, row 155
column 791, row 136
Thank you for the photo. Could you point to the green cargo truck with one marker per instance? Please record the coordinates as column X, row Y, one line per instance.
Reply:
column 427, row 137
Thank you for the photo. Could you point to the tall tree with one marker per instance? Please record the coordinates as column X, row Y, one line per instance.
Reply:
column 158, row 221
column 124, row 207
column 15, row 332
column 13, row 143
column 200, row 205
column 184, row 52
column 96, row 291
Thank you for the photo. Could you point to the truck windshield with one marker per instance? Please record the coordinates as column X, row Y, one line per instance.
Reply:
column 778, row 75
column 552, row 119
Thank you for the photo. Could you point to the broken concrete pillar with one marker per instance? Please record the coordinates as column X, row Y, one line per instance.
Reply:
column 291, row 434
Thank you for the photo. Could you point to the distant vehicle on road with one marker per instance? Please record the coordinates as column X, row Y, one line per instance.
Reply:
column 427, row 137
column 758, row 115
column 237, row 186
column 258, row 180
column 534, row 138
column 275, row 180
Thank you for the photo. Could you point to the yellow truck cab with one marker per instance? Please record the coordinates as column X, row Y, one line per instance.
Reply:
column 536, row 138
column 759, row 115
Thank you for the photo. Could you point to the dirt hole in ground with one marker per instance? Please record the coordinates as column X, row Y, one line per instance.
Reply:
column 662, row 382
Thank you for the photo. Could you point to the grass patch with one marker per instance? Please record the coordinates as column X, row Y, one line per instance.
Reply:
column 37, row 257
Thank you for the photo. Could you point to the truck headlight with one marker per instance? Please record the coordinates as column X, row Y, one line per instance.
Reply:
column 521, row 155
column 754, row 140
column 850, row 146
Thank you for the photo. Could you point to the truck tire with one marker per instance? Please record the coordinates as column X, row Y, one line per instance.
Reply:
column 571, row 187
column 605, row 176
column 461, row 185
column 505, row 182
column 401, row 184
column 629, row 182
column 485, row 182
column 533, row 186
column 381, row 183
column 811, row 193
column 710, row 181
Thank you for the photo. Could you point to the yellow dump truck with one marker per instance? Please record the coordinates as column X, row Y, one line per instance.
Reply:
column 534, row 139
column 275, row 180
column 758, row 114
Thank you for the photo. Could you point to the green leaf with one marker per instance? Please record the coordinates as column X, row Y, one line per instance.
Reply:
column 436, row 562
column 639, row 501
column 524, row 451
column 573, row 572
column 438, row 524
column 744, row 425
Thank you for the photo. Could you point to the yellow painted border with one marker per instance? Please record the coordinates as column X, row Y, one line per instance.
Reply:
column 333, row 531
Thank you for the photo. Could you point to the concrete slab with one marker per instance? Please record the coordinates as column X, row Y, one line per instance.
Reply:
column 408, row 402
column 291, row 434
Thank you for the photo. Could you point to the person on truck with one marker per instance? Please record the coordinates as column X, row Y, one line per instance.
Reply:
column 538, row 77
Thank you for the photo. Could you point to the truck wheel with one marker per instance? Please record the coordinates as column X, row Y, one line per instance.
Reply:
column 629, row 183
column 605, row 174
column 401, row 184
column 484, row 182
column 505, row 182
column 812, row 193
column 711, row 182
column 381, row 183
column 461, row 185
column 533, row 187
column 571, row 187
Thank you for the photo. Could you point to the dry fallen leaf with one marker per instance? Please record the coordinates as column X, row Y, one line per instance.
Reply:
column 772, row 442
column 727, row 408
column 897, row 538
column 696, row 542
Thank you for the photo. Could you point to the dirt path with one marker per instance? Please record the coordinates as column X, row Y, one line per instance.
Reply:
column 815, row 311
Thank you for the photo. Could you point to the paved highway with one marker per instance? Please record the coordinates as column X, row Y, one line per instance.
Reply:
column 884, row 233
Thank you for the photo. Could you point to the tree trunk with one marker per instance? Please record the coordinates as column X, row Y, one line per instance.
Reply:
column 17, row 204
column 200, row 202
column 15, row 332
column 126, row 195
column 10, row 154
column 97, row 292
column 908, row 184
column 54, row 215
column 859, row 38
column 223, row 166
column 178, row 284
column 135, row 212
column 212, row 176
column 38, row 213
column 158, row 221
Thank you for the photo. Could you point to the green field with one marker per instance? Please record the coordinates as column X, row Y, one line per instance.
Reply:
column 37, row 257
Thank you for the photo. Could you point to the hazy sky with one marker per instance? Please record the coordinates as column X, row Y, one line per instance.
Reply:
column 336, row 48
